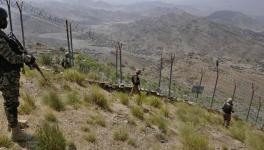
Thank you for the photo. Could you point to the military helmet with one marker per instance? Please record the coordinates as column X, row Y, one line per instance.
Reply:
column 3, row 13
column 229, row 100
column 67, row 54
column 138, row 71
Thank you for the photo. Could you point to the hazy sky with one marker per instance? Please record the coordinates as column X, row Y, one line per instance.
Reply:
column 248, row 6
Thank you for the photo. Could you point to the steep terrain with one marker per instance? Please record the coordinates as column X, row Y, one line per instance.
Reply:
column 187, row 33
column 237, row 19
column 70, row 112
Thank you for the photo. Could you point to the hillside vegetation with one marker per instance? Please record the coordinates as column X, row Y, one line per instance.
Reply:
column 70, row 112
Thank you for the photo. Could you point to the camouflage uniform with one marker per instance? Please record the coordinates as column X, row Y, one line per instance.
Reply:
column 66, row 62
column 228, row 110
column 136, row 83
column 10, row 63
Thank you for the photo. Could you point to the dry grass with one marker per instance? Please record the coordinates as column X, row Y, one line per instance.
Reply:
column 97, row 97
column 155, row 102
column 45, row 59
column 123, row 97
column 74, row 76
column 29, row 73
column 196, row 115
column 98, row 119
column 120, row 135
column 28, row 104
column 73, row 99
column 192, row 139
column 85, row 129
column 165, row 111
column 5, row 142
column 50, row 137
column 93, row 76
column 90, row 137
column 160, row 122
column 132, row 142
column 238, row 130
column 137, row 112
column 49, row 116
column 255, row 140
column 53, row 100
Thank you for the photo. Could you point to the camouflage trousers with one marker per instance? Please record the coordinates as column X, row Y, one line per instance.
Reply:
column 134, row 90
column 9, row 86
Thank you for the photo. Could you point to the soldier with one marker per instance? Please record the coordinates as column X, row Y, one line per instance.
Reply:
column 66, row 62
column 228, row 110
column 136, row 83
column 11, row 61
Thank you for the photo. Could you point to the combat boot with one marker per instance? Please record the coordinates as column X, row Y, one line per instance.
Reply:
column 17, row 135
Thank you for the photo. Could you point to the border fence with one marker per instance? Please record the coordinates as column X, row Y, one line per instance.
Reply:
column 246, row 95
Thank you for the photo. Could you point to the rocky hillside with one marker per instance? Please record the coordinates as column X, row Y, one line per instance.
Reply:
column 70, row 112
column 237, row 19
column 187, row 33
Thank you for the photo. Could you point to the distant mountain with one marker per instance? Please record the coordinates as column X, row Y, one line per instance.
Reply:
column 237, row 19
column 144, row 6
column 159, row 11
column 92, row 14
column 187, row 33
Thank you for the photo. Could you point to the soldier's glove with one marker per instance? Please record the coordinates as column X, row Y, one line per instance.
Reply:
column 28, row 59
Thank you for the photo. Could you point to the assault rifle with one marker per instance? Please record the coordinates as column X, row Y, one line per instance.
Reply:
column 16, row 43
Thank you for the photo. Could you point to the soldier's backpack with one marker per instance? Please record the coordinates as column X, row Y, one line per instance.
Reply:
column 227, row 108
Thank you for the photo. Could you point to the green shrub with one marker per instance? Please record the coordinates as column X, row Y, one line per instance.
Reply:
column 85, row 129
column 140, row 98
column 29, row 73
column 71, row 145
column 137, row 112
column 28, row 104
column 160, row 122
column 98, row 119
column 238, row 131
column 155, row 102
column 74, row 76
column 53, row 100
column 73, row 99
column 124, row 99
column 196, row 115
column 98, row 98
column 165, row 111
column 255, row 140
column 45, row 59
column 50, row 137
column 93, row 76
column 5, row 142
column 90, row 137
column 120, row 135
column 192, row 140
column 43, row 83
column 132, row 142
column 49, row 116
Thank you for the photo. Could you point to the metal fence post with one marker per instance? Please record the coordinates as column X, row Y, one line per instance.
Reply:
column 20, row 8
column 216, row 81
column 68, row 40
column 120, row 45
column 260, row 104
column 172, row 61
column 10, row 15
column 72, row 56
column 252, row 96
column 200, row 83
column 160, row 73
column 234, row 92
